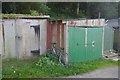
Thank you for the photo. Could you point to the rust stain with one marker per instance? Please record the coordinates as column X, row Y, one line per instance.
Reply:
column 3, row 34
column 36, row 29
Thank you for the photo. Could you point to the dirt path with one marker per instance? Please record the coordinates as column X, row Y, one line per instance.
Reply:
column 111, row 72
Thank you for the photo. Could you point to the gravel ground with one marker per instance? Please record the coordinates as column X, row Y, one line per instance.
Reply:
column 111, row 72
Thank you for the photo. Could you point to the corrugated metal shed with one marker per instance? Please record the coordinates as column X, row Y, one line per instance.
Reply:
column 75, row 34
column 84, row 39
column 108, row 39
column 115, row 23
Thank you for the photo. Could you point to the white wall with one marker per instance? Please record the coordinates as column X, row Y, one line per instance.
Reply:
column 66, row 44
column 1, row 39
column 43, row 25
column 9, row 34
column 20, row 38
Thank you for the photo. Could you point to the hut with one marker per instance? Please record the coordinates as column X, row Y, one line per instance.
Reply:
column 23, row 36
column 82, row 39
column 114, row 23
column 108, row 39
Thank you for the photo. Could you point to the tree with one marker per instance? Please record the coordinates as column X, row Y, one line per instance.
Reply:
column 24, row 7
column 107, row 10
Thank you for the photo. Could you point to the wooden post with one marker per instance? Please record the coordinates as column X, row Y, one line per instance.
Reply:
column 66, row 42
column 78, row 10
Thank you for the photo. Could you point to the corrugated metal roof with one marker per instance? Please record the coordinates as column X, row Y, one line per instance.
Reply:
column 34, row 17
column 113, row 23
column 59, row 20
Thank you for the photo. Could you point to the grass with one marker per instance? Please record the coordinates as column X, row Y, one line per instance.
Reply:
column 45, row 67
column 16, row 16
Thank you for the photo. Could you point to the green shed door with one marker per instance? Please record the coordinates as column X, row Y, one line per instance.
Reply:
column 94, row 43
column 76, row 44
column 84, row 44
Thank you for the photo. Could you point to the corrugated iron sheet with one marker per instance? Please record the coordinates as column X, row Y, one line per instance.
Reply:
column 55, row 34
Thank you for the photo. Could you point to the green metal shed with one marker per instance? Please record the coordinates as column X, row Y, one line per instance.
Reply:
column 84, row 40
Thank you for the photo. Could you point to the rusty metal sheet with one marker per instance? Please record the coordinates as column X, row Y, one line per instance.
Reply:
column 87, row 22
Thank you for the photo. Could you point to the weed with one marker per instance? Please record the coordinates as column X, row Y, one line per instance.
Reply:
column 48, row 66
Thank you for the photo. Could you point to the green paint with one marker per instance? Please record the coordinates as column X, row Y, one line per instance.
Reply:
column 78, row 52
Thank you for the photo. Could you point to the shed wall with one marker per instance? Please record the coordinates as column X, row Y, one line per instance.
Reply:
column 108, row 38
column 117, row 39
column 21, row 38
column 1, row 39
column 55, row 34
column 9, row 35
column 84, row 44
column 43, row 24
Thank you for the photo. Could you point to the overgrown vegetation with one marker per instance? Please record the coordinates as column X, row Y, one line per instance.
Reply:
column 11, row 16
column 47, row 66
column 63, row 10
column 16, row 16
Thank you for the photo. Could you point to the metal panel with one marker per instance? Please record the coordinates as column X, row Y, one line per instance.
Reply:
column 19, row 38
column 9, row 34
column 58, row 35
column 34, row 36
column 43, row 24
column 94, row 44
column 1, row 38
column 49, row 35
column 62, row 35
column 76, row 44
column 26, row 39
column 66, row 43
column 55, row 33
column 108, row 38
column 84, row 44
column 117, row 39
column 87, row 22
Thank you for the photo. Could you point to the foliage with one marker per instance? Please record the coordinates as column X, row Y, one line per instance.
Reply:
column 11, row 16
column 107, row 10
column 64, row 10
column 24, row 7
column 34, row 13
column 49, row 67
column 47, row 60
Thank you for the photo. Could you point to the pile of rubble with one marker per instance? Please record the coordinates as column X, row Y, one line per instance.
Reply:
column 112, row 55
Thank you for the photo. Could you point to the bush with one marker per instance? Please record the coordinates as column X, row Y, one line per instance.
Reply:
column 47, row 61
column 34, row 13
